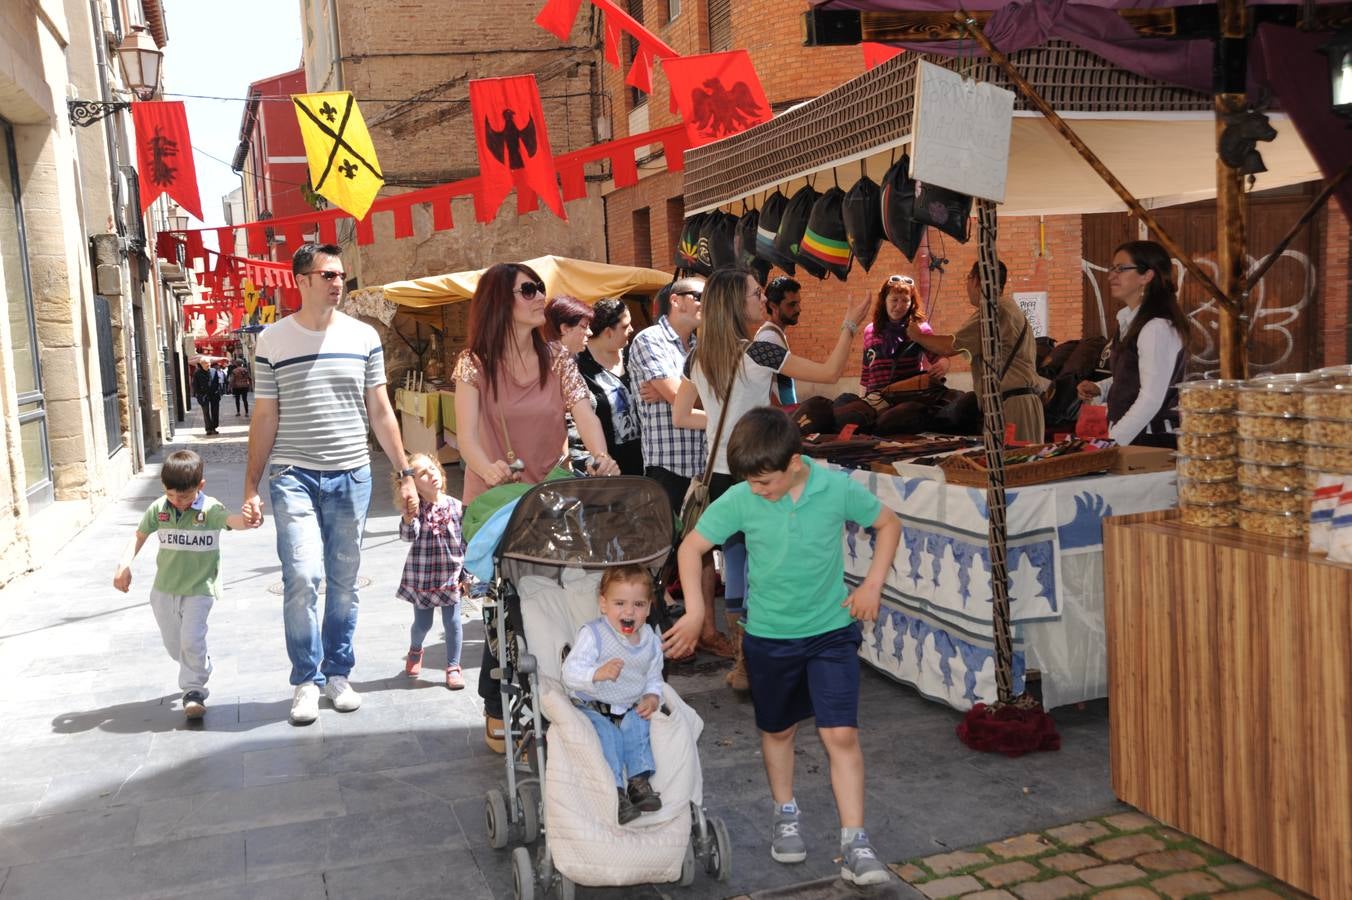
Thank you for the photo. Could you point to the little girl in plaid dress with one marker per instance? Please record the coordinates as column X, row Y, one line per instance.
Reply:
column 431, row 576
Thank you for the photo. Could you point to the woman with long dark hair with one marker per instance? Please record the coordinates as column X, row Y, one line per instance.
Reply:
column 512, row 390
column 726, row 363
column 604, row 366
column 1149, row 351
column 567, row 323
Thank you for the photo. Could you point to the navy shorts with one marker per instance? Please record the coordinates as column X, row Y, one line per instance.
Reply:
column 798, row 678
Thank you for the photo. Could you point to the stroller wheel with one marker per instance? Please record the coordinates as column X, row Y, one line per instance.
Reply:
column 718, row 863
column 523, row 876
column 688, row 865
column 565, row 889
column 495, row 819
column 528, row 798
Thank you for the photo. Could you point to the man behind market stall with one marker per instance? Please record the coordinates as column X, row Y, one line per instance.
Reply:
column 783, row 305
column 1020, row 384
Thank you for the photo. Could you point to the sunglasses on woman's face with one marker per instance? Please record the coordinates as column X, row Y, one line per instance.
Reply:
column 529, row 290
column 1119, row 270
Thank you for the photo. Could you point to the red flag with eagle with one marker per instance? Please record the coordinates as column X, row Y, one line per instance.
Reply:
column 509, row 126
column 164, row 155
column 718, row 94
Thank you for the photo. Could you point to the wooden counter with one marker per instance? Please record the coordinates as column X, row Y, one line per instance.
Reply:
column 1230, row 683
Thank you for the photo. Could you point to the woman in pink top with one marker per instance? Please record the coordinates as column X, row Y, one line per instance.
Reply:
column 512, row 390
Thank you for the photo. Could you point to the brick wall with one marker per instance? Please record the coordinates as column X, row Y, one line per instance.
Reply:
column 1335, row 290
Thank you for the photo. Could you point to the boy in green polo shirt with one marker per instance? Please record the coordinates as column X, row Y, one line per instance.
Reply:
column 189, row 524
column 802, row 631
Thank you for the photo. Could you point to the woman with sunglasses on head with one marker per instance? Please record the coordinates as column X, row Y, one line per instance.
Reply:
column 728, row 364
column 902, row 384
column 512, row 390
column 1148, row 352
column 604, row 366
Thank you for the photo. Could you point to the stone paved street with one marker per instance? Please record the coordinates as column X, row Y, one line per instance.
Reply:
column 107, row 793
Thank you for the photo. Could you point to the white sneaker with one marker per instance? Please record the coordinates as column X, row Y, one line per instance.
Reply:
column 305, row 705
column 344, row 698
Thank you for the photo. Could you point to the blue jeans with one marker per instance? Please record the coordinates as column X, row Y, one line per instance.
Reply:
column 625, row 746
column 320, row 517
column 450, row 620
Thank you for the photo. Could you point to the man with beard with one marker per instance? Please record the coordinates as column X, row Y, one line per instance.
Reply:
column 783, row 305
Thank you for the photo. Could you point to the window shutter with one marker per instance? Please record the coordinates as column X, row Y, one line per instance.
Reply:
column 720, row 25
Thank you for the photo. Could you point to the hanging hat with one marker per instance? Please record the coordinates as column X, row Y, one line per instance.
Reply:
column 824, row 243
column 687, row 249
column 716, row 239
column 862, row 213
column 772, row 211
column 898, row 203
column 791, row 228
column 946, row 210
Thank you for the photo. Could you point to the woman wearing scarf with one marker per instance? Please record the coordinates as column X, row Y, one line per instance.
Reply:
column 902, row 384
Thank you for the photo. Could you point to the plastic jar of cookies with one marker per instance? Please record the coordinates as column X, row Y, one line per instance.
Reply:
column 1270, row 397
column 1208, row 492
column 1207, row 444
column 1328, row 432
column 1329, row 459
column 1206, row 468
column 1291, row 524
column 1271, row 428
column 1271, row 453
column 1274, row 500
column 1220, row 516
column 1214, row 395
column 1328, row 400
column 1265, row 476
column 1194, row 422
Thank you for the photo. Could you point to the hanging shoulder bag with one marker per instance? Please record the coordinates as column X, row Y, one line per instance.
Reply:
column 697, row 495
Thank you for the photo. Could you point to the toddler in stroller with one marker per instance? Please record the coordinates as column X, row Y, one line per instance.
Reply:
column 561, row 539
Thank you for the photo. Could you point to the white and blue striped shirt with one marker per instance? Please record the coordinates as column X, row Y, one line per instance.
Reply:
column 319, row 380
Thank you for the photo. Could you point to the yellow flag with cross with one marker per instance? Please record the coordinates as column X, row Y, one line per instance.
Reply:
column 343, row 166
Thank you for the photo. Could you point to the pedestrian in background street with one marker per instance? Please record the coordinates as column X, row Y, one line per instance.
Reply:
column 186, row 582
column 204, row 389
column 320, row 384
column 241, row 382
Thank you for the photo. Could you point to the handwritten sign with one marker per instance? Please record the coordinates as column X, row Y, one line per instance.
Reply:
column 961, row 133
column 1034, row 306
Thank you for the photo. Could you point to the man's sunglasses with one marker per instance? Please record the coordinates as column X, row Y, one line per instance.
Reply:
column 529, row 290
column 901, row 279
column 696, row 294
column 327, row 276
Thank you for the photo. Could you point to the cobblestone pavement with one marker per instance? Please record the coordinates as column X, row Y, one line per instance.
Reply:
column 105, row 792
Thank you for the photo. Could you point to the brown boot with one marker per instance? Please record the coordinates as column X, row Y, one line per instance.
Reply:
column 736, row 678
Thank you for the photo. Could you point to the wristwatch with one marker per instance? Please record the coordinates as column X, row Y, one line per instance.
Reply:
column 406, row 473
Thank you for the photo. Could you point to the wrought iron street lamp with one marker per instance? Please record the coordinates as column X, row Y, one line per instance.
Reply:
column 140, row 60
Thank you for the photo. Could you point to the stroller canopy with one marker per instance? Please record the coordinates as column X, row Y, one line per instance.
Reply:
column 590, row 523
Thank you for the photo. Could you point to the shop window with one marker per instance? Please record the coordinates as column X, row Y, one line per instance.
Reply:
column 643, row 238
column 719, row 25
column 675, row 220
column 16, row 286
column 672, row 9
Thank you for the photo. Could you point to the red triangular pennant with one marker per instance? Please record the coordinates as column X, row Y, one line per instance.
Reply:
column 876, row 54
column 164, row 155
column 513, row 142
column 641, row 72
column 718, row 94
column 558, row 17
column 614, row 36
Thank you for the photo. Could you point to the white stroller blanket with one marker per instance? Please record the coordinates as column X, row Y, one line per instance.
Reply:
column 586, row 842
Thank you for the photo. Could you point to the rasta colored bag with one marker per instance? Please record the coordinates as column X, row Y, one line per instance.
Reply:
column 898, row 209
column 824, row 246
column 687, row 249
column 792, row 227
column 772, row 212
column 862, row 213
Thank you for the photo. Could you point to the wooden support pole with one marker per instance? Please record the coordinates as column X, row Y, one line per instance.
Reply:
column 1231, row 321
column 1033, row 97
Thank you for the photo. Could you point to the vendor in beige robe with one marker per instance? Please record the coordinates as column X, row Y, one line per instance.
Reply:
column 1020, row 385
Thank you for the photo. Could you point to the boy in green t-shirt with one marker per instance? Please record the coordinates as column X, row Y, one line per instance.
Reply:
column 189, row 524
column 802, row 631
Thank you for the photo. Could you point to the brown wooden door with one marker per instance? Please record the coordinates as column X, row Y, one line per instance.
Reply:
column 1283, row 308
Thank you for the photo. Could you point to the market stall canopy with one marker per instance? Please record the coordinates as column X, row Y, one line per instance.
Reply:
column 1158, row 139
column 1168, row 41
column 583, row 279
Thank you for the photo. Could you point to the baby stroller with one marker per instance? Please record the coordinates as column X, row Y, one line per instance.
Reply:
column 547, row 568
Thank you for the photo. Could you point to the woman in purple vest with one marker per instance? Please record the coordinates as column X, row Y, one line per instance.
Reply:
column 1148, row 351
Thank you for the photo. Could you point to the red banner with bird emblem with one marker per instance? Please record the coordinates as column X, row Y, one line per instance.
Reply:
column 718, row 94
column 513, row 143
column 164, row 155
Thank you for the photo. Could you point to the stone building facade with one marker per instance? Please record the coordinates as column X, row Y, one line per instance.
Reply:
column 86, row 390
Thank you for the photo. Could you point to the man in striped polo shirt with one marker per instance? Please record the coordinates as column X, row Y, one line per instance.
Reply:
column 319, row 384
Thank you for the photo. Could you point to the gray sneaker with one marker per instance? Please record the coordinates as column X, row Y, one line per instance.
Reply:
column 786, row 844
column 860, row 865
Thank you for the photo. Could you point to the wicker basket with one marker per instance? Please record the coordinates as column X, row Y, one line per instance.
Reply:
column 962, row 470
